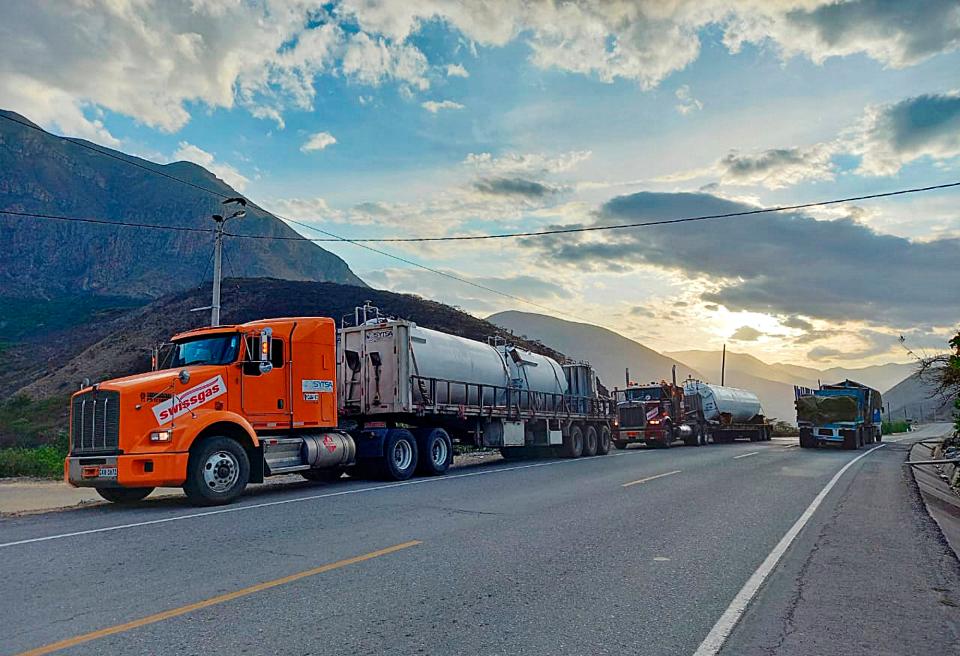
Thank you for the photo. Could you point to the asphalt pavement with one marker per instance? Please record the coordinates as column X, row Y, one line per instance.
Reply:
column 638, row 552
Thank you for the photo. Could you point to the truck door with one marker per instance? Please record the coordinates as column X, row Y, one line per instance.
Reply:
column 266, row 396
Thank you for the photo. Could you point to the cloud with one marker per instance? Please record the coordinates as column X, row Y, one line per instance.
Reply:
column 781, row 264
column 318, row 141
column 641, row 311
column 433, row 106
column 746, row 334
column 478, row 301
column 773, row 168
column 687, row 103
column 177, row 54
column 514, row 187
column 893, row 135
column 191, row 153
column 796, row 323
column 530, row 163
column 457, row 70
column 886, row 138
column 897, row 34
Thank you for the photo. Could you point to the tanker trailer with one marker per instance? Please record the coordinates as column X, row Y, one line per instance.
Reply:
column 397, row 376
column 729, row 413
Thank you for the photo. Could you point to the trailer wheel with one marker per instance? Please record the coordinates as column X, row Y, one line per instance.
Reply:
column 603, row 441
column 620, row 446
column 124, row 494
column 590, row 441
column 572, row 443
column 436, row 451
column 399, row 455
column 217, row 472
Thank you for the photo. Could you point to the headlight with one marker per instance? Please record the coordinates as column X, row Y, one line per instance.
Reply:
column 654, row 421
column 161, row 436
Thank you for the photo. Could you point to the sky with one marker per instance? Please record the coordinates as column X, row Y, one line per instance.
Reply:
column 435, row 118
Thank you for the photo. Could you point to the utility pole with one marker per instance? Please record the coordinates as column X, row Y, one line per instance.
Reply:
column 723, row 365
column 221, row 222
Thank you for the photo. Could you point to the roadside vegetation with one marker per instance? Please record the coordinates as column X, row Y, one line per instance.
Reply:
column 895, row 426
column 784, row 429
column 33, row 441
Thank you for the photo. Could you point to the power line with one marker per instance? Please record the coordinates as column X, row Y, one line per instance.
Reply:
column 624, row 226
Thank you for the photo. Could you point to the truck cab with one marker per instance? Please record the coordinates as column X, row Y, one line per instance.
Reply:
column 648, row 414
column 226, row 408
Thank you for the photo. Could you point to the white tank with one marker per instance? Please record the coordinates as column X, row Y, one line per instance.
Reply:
column 448, row 357
column 740, row 405
column 531, row 371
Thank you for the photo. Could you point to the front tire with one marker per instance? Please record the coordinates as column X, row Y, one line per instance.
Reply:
column 123, row 495
column 217, row 472
column 590, row 442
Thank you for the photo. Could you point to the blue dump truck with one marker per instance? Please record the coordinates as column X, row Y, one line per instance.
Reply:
column 848, row 413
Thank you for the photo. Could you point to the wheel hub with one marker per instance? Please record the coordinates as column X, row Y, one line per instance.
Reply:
column 221, row 471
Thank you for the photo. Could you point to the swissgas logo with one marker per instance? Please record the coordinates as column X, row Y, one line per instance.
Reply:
column 183, row 402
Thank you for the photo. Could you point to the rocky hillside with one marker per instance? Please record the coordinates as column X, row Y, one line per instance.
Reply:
column 44, row 173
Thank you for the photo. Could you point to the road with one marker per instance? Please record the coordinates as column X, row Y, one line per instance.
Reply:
column 638, row 552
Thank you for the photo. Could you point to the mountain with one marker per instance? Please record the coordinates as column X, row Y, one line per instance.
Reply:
column 609, row 352
column 916, row 398
column 41, row 371
column 881, row 377
column 46, row 174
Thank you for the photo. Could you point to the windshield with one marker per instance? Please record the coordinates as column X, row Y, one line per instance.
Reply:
column 644, row 394
column 216, row 349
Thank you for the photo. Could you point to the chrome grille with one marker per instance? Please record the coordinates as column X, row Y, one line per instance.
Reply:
column 632, row 416
column 95, row 422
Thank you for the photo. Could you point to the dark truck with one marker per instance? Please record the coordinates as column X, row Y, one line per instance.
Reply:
column 847, row 413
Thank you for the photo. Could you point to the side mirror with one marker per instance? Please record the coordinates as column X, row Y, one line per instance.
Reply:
column 265, row 367
column 184, row 376
column 84, row 383
column 266, row 346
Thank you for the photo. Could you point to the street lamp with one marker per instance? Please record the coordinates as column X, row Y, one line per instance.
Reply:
column 221, row 221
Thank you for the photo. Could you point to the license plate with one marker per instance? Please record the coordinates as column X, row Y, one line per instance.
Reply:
column 99, row 472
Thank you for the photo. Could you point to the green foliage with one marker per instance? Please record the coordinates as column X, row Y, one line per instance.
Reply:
column 27, row 422
column 784, row 429
column 41, row 462
column 895, row 426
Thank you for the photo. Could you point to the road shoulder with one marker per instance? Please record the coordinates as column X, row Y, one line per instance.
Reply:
column 872, row 568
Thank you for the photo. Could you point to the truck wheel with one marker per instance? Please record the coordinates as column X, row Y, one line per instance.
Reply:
column 399, row 455
column 590, row 441
column 124, row 494
column 852, row 442
column 217, row 472
column 436, row 451
column 603, row 441
column 322, row 475
column 572, row 443
column 879, row 435
column 806, row 439
column 667, row 435
column 620, row 446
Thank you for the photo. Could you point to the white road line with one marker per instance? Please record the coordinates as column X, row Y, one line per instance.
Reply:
column 746, row 455
column 791, row 446
column 267, row 504
column 650, row 478
column 721, row 630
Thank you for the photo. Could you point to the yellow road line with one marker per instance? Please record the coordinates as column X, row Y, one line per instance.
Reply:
column 213, row 601
column 650, row 478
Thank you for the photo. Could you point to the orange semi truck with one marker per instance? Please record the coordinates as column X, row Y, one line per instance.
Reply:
column 238, row 403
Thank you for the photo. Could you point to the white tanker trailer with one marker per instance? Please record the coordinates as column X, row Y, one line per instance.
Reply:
column 728, row 413
column 394, row 373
